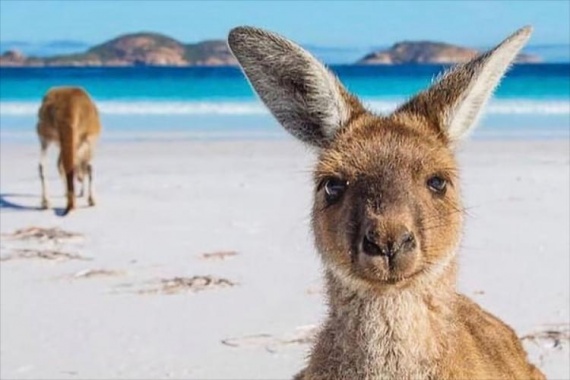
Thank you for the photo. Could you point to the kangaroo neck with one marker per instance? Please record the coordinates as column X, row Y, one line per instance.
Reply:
column 392, row 333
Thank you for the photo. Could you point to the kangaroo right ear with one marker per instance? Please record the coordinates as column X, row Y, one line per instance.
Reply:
column 306, row 98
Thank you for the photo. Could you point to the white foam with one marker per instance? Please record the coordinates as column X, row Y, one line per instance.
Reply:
column 497, row 107
column 148, row 108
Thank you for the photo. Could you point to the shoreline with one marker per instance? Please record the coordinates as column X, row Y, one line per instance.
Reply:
column 274, row 133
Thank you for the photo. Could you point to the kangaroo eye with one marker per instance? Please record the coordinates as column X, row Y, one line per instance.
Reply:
column 334, row 189
column 437, row 184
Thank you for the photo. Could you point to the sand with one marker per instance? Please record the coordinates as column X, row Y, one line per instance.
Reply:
column 198, row 262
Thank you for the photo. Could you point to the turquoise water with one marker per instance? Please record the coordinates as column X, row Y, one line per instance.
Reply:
column 532, row 100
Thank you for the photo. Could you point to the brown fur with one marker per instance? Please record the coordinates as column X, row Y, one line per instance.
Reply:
column 69, row 118
column 389, row 242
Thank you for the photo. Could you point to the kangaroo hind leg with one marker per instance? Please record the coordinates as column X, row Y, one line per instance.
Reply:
column 41, row 170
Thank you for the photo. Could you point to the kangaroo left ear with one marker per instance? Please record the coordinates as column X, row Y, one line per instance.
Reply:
column 455, row 102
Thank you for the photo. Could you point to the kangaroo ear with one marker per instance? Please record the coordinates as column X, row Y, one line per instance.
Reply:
column 306, row 98
column 454, row 103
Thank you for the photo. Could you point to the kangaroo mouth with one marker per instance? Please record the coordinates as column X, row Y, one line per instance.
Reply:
column 393, row 280
column 378, row 271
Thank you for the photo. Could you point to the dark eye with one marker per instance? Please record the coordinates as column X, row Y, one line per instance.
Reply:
column 334, row 189
column 437, row 184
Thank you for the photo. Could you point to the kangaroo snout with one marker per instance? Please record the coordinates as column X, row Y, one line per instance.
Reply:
column 387, row 248
column 387, row 242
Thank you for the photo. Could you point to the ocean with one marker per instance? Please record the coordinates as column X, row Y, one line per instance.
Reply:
column 217, row 102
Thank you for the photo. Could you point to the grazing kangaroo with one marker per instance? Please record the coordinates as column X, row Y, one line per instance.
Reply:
column 69, row 118
column 387, row 217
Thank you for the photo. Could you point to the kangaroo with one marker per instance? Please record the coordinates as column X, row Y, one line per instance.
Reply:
column 387, row 217
column 68, row 117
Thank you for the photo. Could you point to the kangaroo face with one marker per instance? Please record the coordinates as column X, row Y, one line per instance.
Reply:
column 387, row 205
column 387, row 208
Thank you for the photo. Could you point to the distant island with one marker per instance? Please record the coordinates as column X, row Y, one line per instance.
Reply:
column 427, row 52
column 153, row 49
column 138, row 49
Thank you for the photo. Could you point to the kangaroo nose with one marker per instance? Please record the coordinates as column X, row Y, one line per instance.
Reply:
column 376, row 244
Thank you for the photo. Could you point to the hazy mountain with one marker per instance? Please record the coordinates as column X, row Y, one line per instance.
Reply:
column 158, row 49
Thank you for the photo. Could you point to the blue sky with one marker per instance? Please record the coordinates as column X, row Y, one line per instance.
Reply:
column 330, row 23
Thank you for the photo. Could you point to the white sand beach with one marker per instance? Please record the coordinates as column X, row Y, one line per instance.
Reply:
column 119, row 297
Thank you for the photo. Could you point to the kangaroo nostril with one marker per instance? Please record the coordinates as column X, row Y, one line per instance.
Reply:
column 369, row 245
column 407, row 238
column 407, row 242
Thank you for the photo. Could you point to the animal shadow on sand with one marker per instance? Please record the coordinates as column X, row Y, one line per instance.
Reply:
column 7, row 203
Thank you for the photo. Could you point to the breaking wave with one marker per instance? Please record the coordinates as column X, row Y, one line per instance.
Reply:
column 244, row 108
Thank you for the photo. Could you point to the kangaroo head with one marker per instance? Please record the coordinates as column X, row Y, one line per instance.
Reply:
column 387, row 208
